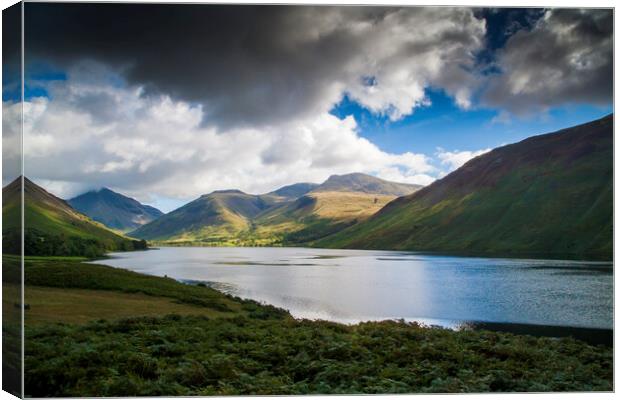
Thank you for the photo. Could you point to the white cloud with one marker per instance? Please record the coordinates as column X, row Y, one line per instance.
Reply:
column 157, row 147
column 455, row 159
column 409, row 50
column 11, row 141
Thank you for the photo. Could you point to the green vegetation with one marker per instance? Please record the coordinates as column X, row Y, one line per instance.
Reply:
column 547, row 196
column 211, row 218
column 310, row 217
column 176, row 355
column 231, row 346
column 11, row 328
column 291, row 215
column 114, row 210
column 214, row 220
column 77, row 306
column 53, row 228
column 93, row 330
column 72, row 274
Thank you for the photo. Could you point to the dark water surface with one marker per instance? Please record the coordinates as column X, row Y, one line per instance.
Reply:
column 360, row 285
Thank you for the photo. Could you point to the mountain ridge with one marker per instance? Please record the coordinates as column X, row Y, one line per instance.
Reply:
column 114, row 209
column 363, row 183
column 549, row 195
column 232, row 216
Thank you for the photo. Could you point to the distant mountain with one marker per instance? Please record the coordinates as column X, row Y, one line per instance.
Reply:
column 292, row 192
column 213, row 217
column 363, row 183
column 52, row 226
column 114, row 210
column 291, row 214
column 315, row 215
column 546, row 196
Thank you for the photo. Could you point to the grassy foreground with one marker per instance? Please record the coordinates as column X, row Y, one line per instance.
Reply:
column 233, row 346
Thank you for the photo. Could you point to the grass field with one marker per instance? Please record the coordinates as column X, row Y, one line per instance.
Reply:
column 92, row 330
column 77, row 306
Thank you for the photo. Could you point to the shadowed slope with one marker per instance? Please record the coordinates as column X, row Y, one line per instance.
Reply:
column 52, row 227
column 114, row 210
column 548, row 195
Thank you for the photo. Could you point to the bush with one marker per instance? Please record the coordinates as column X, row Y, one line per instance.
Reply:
column 198, row 356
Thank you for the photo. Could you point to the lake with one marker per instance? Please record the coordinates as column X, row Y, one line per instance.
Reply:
column 359, row 285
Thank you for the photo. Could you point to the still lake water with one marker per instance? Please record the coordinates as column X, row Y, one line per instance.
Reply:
column 361, row 285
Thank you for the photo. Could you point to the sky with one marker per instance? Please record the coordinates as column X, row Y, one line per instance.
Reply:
column 165, row 103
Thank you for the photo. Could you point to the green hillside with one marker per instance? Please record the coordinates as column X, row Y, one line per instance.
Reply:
column 114, row 210
column 316, row 215
column 52, row 227
column 294, row 214
column 215, row 217
column 546, row 196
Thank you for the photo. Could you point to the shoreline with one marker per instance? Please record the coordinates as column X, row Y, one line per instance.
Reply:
column 590, row 335
column 237, row 346
column 491, row 256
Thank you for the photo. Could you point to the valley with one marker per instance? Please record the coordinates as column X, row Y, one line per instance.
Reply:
column 291, row 215
column 549, row 196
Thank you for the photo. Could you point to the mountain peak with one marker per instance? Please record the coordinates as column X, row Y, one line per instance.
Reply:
column 113, row 209
column 355, row 175
column 226, row 191
column 360, row 182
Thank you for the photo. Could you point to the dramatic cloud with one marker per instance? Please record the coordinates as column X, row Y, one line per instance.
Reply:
column 90, row 135
column 566, row 58
column 259, row 66
column 11, row 142
column 176, row 101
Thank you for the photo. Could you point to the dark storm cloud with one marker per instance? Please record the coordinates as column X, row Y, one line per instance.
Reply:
column 260, row 64
column 567, row 57
column 11, row 52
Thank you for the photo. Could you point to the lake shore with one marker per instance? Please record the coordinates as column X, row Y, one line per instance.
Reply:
column 351, row 286
column 234, row 346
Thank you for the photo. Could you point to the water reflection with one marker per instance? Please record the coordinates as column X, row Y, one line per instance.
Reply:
column 354, row 285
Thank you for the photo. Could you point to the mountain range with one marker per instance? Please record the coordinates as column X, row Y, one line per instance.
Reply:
column 114, row 210
column 292, row 214
column 546, row 196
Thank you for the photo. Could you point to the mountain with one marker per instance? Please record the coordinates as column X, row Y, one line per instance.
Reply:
column 114, row 210
column 292, row 192
column 53, row 227
column 363, row 183
column 290, row 215
column 214, row 217
column 315, row 215
column 339, row 202
column 546, row 196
